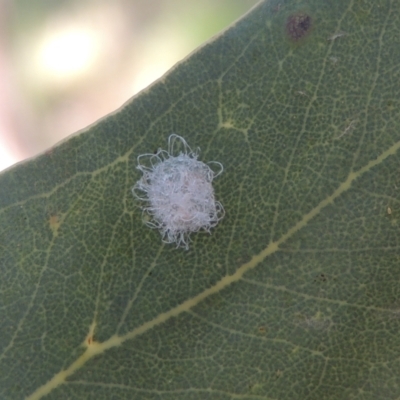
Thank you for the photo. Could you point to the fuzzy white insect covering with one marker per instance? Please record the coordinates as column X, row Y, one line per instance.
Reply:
column 178, row 193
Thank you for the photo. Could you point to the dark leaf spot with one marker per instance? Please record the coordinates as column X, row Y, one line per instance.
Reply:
column 320, row 278
column 262, row 330
column 298, row 25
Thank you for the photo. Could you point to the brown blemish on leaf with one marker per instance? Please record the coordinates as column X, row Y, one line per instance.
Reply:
column 54, row 222
column 89, row 341
column 298, row 26
column 391, row 215
column 262, row 330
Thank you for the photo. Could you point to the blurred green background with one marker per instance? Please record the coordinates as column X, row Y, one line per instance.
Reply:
column 66, row 63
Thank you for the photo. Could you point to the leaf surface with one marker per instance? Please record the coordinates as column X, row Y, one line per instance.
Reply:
column 295, row 294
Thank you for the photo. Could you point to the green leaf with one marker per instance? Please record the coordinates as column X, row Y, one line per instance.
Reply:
column 295, row 295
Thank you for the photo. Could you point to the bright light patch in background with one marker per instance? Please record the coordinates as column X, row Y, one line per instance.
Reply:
column 68, row 53
column 74, row 62
column 7, row 155
column 163, row 48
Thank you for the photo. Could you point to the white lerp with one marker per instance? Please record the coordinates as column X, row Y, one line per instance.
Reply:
column 178, row 192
